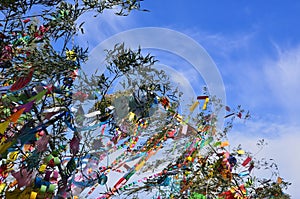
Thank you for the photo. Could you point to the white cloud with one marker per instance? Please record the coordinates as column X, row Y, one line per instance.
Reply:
column 97, row 29
column 282, row 76
column 223, row 45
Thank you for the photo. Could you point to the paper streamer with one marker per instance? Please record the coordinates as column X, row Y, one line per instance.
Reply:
column 2, row 187
column 202, row 97
column 224, row 144
column 48, row 158
column 33, row 195
column 140, row 165
column 27, row 106
column 55, row 174
column 92, row 114
column 241, row 152
column 52, row 188
column 248, row 159
column 15, row 116
column 22, row 82
column 192, row 108
column 43, row 189
column 205, row 104
column 47, row 175
column 244, row 173
column 42, row 168
column 184, row 129
column 56, row 161
column 38, row 96
column 3, row 127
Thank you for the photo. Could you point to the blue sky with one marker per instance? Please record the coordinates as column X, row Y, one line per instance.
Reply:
column 256, row 47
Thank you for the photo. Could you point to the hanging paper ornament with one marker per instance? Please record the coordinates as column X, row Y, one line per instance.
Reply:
column 52, row 188
column 165, row 102
column 47, row 175
column 71, row 166
column 33, row 195
column 42, row 168
column 251, row 167
column 184, row 129
column 102, row 179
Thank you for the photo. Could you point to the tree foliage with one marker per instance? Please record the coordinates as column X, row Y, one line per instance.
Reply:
column 57, row 126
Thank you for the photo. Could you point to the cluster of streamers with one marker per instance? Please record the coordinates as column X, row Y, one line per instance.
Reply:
column 199, row 172
column 34, row 105
column 46, row 170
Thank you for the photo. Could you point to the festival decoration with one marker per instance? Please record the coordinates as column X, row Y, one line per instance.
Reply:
column 123, row 143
